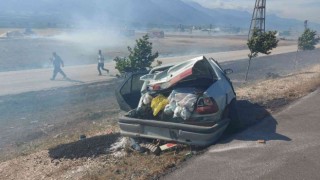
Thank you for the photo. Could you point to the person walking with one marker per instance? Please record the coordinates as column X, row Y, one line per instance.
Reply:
column 57, row 64
column 101, row 63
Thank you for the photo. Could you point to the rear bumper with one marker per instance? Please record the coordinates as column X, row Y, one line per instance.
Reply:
column 182, row 133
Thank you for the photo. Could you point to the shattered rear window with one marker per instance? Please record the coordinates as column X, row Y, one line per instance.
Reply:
column 204, row 69
column 161, row 75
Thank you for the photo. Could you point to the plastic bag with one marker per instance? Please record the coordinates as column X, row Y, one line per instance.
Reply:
column 168, row 110
column 188, row 101
column 185, row 113
column 177, row 112
column 182, row 102
column 147, row 99
column 158, row 103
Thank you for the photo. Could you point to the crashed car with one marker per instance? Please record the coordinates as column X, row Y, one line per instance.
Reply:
column 191, row 102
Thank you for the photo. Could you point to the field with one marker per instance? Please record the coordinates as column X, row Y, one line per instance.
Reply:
column 77, row 48
column 40, row 130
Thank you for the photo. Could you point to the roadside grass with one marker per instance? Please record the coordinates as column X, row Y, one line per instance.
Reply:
column 138, row 166
column 272, row 94
column 49, row 31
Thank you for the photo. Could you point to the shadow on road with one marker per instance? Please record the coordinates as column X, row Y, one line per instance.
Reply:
column 263, row 126
column 90, row 147
column 71, row 80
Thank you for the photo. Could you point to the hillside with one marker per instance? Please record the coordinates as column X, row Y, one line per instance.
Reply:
column 139, row 13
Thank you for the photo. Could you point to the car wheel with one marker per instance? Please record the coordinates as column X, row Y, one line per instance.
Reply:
column 231, row 112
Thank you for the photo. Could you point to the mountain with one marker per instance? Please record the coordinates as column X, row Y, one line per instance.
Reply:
column 223, row 17
column 238, row 18
column 126, row 12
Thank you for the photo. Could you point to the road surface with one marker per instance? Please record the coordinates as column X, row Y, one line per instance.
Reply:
column 15, row 82
column 291, row 150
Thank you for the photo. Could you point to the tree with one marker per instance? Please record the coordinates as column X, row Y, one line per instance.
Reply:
column 140, row 57
column 260, row 42
column 308, row 40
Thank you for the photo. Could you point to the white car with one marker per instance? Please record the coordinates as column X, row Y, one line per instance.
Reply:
column 190, row 102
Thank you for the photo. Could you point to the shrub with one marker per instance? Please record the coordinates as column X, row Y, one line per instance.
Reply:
column 308, row 40
column 140, row 57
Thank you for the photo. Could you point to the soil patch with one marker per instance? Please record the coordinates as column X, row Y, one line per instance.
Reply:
column 88, row 147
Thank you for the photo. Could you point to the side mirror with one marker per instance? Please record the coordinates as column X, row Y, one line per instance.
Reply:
column 228, row 71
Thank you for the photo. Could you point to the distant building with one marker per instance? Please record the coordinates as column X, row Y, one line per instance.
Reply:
column 28, row 32
column 156, row 34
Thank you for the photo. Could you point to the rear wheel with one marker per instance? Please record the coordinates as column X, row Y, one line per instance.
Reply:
column 231, row 112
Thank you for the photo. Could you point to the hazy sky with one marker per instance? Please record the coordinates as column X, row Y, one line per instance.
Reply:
column 298, row 9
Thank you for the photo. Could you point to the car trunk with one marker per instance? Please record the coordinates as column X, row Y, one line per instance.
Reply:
column 185, row 80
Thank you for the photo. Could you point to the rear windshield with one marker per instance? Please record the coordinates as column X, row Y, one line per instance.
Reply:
column 161, row 74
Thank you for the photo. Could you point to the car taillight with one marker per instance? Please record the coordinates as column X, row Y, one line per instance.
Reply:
column 206, row 105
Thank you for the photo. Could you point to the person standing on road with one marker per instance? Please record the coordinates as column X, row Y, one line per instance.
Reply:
column 57, row 64
column 101, row 63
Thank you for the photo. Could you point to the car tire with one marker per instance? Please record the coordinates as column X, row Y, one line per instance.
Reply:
column 231, row 112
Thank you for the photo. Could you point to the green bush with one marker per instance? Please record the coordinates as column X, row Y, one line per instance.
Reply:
column 308, row 40
column 140, row 57
column 122, row 64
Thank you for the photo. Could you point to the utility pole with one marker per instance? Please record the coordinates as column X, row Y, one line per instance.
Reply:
column 258, row 17
column 305, row 24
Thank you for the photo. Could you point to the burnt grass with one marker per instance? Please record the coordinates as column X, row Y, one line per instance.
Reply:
column 30, row 119
column 88, row 147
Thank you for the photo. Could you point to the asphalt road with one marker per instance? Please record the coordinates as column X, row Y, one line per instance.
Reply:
column 15, row 82
column 291, row 150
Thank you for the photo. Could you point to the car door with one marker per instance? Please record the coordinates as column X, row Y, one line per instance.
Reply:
column 129, row 92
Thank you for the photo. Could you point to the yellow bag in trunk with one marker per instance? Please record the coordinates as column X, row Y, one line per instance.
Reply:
column 158, row 103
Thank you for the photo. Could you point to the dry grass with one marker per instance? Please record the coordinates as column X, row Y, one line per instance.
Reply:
column 4, row 30
column 275, row 93
column 42, row 31
column 49, row 31
column 139, row 166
